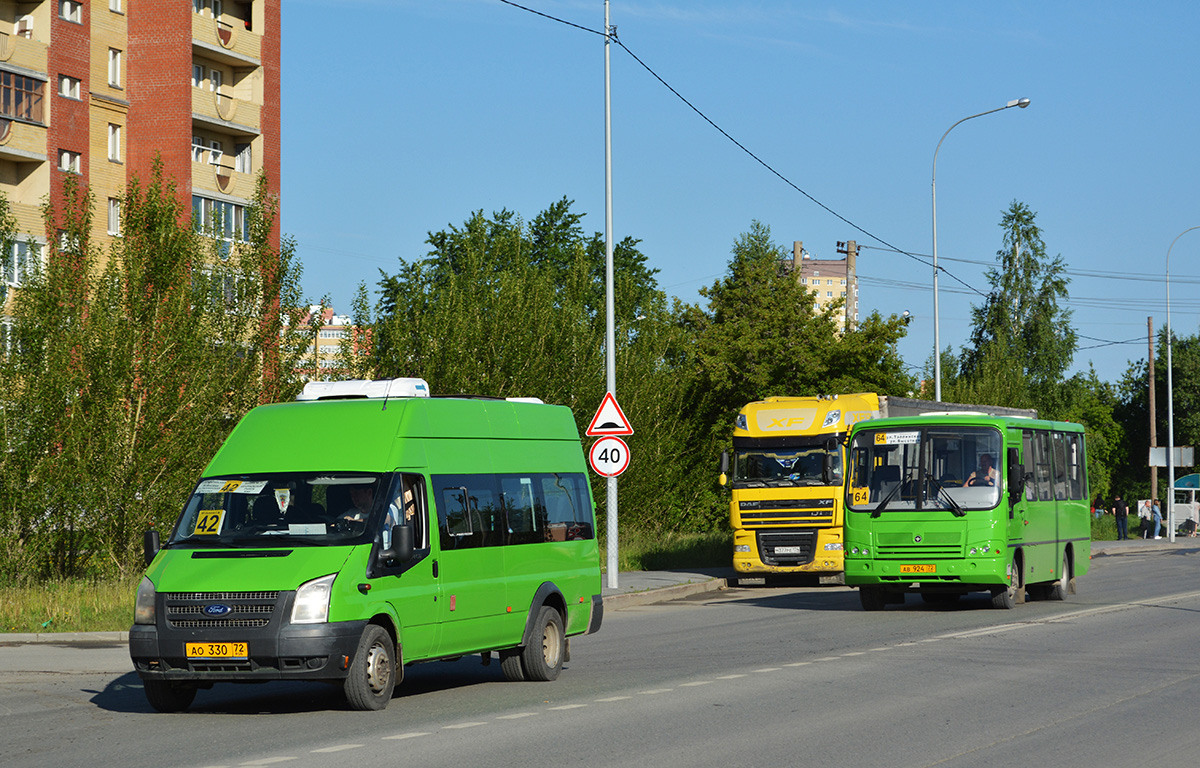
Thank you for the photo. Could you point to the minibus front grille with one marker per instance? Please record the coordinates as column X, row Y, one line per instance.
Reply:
column 218, row 624
column 202, row 596
column 220, row 610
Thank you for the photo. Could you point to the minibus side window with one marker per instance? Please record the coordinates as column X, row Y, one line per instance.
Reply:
column 567, row 512
column 469, row 511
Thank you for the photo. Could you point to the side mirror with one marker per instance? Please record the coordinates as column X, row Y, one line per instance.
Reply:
column 402, row 545
column 831, row 446
column 723, row 479
column 150, row 545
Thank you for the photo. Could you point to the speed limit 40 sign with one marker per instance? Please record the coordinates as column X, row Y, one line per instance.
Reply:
column 609, row 456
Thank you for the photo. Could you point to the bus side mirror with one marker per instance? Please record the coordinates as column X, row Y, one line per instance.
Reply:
column 150, row 545
column 402, row 548
column 724, row 467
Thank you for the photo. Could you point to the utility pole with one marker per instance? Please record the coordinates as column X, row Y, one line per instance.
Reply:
column 850, row 250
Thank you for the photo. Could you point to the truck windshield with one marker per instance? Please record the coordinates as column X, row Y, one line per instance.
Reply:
column 934, row 468
column 288, row 508
column 786, row 467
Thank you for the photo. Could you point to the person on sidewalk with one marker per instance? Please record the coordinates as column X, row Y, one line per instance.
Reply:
column 1156, row 515
column 1121, row 512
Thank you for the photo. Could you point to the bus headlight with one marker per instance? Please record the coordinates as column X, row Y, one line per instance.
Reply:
column 143, row 609
column 312, row 601
column 741, row 547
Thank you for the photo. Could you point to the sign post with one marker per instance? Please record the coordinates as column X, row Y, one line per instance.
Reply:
column 609, row 457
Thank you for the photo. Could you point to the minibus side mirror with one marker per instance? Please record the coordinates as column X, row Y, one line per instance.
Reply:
column 150, row 545
column 724, row 467
column 402, row 545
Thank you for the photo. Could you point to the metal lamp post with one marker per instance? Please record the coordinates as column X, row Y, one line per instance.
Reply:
column 937, row 339
column 1171, row 404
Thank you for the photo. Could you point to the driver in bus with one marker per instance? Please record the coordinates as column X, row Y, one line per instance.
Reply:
column 985, row 475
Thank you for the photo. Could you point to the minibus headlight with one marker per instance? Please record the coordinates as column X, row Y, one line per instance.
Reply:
column 312, row 601
column 143, row 609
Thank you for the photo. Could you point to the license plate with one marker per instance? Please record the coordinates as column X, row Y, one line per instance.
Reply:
column 918, row 569
column 787, row 550
column 217, row 651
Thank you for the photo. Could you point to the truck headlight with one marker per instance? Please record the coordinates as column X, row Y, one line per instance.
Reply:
column 741, row 547
column 312, row 601
column 833, row 546
column 143, row 609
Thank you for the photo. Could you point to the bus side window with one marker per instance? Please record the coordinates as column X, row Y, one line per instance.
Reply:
column 1060, row 465
column 1027, row 461
column 1042, row 471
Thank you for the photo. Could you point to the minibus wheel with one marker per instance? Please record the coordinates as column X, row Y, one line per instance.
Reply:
column 542, row 658
column 372, row 675
column 510, row 664
column 169, row 697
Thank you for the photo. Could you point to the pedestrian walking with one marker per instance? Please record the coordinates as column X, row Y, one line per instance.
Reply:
column 1120, row 511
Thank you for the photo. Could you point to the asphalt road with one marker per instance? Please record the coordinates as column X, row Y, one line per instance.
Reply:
column 745, row 677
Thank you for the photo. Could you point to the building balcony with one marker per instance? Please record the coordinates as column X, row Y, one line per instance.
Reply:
column 22, row 142
column 221, row 178
column 19, row 53
column 226, row 42
column 236, row 116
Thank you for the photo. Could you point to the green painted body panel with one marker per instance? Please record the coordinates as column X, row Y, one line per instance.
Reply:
column 1041, row 532
column 479, row 598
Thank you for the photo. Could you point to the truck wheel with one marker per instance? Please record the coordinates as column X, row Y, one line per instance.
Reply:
column 542, row 659
column 372, row 676
column 165, row 696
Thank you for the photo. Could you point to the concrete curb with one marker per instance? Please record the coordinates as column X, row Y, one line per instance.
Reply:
column 28, row 638
column 661, row 595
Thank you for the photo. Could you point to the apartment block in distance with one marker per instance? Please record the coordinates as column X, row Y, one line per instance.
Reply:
column 99, row 88
column 830, row 279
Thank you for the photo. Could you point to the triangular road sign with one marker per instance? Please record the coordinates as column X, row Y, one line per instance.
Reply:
column 609, row 419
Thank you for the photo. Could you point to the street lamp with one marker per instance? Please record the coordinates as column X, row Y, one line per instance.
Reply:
column 937, row 339
column 1170, row 405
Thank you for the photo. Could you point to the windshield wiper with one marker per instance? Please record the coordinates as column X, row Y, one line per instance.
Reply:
column 955, row 508
column 886, row 500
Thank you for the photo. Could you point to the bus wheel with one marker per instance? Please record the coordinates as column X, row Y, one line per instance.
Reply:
column 510, row 665
column 872, row 598
column 1058, row 590
column 542, row 659
column 1007, row 598
column 169, row 697
column 372, row 676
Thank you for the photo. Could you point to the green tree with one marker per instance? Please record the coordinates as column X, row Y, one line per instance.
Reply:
column 1021, row 323
column 124, row 377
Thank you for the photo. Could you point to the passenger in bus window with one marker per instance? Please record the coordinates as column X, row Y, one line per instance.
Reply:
column 985, row 475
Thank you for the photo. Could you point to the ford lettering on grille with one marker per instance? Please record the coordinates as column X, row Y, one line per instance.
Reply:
column 217, row 610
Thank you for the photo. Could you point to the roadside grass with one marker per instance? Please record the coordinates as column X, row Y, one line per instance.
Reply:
column 68, row 606
column 670, row 550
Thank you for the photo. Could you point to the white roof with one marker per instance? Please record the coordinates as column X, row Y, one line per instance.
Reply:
column 378, row 389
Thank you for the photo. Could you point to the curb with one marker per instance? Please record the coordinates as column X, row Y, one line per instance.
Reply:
column 28, row 638
column 625, row 600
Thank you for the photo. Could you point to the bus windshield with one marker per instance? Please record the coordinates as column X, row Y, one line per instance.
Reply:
column 784, row 467
column 290, row 508
column 924, row 467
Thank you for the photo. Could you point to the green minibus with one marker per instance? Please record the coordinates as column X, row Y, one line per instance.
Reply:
column 368, row 527
column 945, row 504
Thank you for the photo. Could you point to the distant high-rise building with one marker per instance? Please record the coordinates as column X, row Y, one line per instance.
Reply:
column 100, row 88
column 830, row 279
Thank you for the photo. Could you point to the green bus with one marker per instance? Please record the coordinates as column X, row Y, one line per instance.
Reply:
column 945, row 504
column 342, row 539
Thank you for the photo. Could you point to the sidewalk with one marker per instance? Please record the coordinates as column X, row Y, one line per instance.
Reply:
column 634, row 588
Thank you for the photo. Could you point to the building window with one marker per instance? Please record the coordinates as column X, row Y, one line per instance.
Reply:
column 829, row 294
column 214, row 80
column 68, row 161
column 114, row 6
column 197, row 76
column 20, row 97
column 17, row 262
column 114, row 143
column 68, row 86
column 197, row 149
column 244, row 159
column 114, row 67
column 114, row 216
column 215, row 153
column 843, row 281
column 216, row 9
column 71, row 11
column 222, row 220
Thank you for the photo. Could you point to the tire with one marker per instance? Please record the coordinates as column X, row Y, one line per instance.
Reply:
column 510, row 664
column 1058, row 590
column 1007, row 598
column 872, row 598
column 372, row 676
column 169, row 697
column 542, row 659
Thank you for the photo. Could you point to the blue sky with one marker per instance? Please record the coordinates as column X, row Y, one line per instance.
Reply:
column 402, row 117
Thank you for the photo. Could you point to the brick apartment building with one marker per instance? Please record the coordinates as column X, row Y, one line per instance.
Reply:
column 830, row 279
column 99, row 88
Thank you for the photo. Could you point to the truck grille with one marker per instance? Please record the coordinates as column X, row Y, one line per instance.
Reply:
column 797, row 547
column 765, row 512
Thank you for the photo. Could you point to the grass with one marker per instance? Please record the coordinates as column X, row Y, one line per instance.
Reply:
column 68, row 606
column 664, row 551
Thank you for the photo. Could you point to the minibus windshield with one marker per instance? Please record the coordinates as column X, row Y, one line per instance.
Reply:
column 292, row 508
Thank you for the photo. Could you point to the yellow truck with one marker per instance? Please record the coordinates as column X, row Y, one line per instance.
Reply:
column 786, row 503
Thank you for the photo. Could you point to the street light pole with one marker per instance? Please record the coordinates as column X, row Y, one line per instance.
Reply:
column 1171, row 405
column 610, row 354
column 937, row 339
